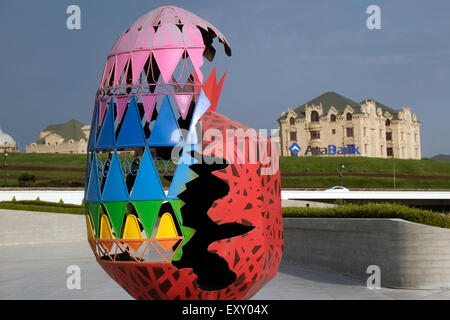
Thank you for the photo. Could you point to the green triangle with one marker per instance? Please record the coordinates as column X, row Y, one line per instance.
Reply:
column 176, row 205
column 116, row 213
column 187, row 233
column 93, row 209
column 148, row 212
column 177, row 256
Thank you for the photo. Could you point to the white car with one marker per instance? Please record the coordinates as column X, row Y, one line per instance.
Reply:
column 337, row 189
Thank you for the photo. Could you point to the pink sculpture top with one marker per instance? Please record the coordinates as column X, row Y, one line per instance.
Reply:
column 166, row 34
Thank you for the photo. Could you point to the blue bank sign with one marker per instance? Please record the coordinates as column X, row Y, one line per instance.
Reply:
column 332, row 150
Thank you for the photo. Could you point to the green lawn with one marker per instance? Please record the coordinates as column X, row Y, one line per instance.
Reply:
column 364, row 165
column 293, row 170
column 313, row 168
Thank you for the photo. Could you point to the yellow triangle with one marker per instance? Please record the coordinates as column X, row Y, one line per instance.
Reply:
column 105, row 228
column 131, row 229
column 167, row 228
column 90, row 231
column 105, row 232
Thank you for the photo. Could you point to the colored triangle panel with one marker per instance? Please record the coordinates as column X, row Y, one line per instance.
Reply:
column 166, row 228
column 183, row 101
column 90, row 230
column 196, row 56
column 201, row 107
column 105, row 232
column 148, row 213
column 93, row 189
column 107, row 71
column 176, row 206
column 183, row 174
column 106, row 137
column 115, row 188
column 147, row 185
column 94, row 212
column 93, row 133
column 167, row 244
column 149, row 102
column 120, row 107
column 166, row 131
column 131, row 229
column 131, row 133
column 101, row 112
column 188, row 233
column 121, row 63
column 138, row 60
column 116, row 213
column 167, row 60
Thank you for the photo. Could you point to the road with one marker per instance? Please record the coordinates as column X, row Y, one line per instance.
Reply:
column 39, row 272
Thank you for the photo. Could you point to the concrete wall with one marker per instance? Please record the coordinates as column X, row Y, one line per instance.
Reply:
column 26, row 228
column 410, row 255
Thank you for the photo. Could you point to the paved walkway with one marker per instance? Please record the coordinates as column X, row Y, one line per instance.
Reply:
column 39, row 272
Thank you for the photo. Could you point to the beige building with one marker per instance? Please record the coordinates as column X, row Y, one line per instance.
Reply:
column 69, row 137
column 7, row 143
column 332, row 125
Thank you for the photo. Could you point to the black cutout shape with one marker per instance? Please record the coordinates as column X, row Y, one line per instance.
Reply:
column 212, row 270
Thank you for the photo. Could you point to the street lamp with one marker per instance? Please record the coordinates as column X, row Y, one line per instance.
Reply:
column 340, row 172
column 6, row 169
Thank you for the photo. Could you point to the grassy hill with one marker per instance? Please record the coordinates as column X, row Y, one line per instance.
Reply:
column 321, row 172
column 297, row 172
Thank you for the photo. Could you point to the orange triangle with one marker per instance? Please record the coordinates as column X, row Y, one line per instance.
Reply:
column 197, row 85
column 134, row 244
column 217, row 91
column 212, row 89
column 167, row 244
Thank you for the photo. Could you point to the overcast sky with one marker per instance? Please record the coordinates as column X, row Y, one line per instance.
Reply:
column 284, row 54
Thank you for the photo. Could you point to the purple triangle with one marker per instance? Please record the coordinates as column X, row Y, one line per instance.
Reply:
column 149, row 102
column 184, row 102
column 121, row 105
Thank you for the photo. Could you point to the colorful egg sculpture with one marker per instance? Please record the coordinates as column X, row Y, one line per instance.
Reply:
column 182, row 202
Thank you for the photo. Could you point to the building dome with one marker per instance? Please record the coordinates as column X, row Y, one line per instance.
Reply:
column 6, row 139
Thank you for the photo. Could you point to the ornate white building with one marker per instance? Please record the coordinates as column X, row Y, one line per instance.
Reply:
column 69, row 137
column 7, row 143
column 332, row 125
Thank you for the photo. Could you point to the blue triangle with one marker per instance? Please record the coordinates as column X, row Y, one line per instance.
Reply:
column 87, row 173
column 106, row 137
column 131, row 133
column 147, row 185
column 166, row 131
column 115, row 188
column 183, row 174
column 93, row 190
column 93, row 133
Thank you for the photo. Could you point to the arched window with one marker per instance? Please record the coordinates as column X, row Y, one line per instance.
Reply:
column 314, row 116
column 333, row 118
column 292, row 121
column 349, row 116
column 388, row 122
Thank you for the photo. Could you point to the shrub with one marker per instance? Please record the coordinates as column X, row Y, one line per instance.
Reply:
column 26, row 179
column 372, row 210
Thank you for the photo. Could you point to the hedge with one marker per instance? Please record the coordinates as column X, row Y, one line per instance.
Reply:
column 43, row 206
column 371, row 210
